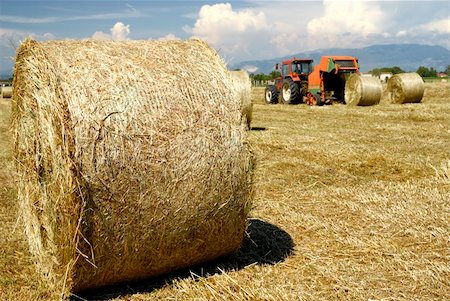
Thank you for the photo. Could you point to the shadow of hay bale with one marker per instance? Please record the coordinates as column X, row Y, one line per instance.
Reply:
column 265, row 244
column 257, row 128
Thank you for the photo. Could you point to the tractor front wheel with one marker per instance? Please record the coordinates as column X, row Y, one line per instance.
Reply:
column 271, row 94
column 290, row 92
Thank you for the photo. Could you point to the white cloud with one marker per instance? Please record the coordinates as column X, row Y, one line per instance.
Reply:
column 6, row 33
column 12, row 38
column 129, row 13
column 169, row 37
column 345, row 23
column 278, row 28
column 243, row 33
column 436, row 32
column 220, row 20
column 292, row 28
column 440, row 26
column 250, row 68
column 100, row 35
column 339, row 17
column 49, row 36
column 119, row 32
column 401, row 33
column 286, row 40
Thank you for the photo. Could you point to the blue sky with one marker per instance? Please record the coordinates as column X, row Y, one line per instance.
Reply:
column 239, row 30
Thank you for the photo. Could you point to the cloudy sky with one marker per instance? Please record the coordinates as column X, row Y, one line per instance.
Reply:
column 239, row 30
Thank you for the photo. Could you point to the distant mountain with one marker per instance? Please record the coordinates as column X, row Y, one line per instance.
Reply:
column 407, row 56
column 5, row 76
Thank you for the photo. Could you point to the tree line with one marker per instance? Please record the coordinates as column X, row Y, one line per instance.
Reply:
column 422, row 71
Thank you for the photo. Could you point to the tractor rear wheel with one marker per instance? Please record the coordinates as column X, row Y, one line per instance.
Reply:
column 271, row 94
column 290, row 92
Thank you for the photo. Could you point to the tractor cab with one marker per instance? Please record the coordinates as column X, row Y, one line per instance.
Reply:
column 296, row 67
column 293, row 82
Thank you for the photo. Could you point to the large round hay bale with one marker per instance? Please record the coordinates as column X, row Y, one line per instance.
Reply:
column 405, row 87
column 131, row 156
column 243, row 86
column 362, row 91
column 6, row 92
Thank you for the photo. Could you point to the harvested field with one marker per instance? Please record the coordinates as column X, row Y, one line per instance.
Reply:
column 350, row 204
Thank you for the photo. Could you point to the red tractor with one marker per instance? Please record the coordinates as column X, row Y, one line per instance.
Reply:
column 292, row 84
column 299, row 83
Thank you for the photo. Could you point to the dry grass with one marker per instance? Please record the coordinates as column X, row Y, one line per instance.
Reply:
column 352, row 203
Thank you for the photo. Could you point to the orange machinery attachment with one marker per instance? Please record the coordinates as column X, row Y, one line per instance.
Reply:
column 327, row 82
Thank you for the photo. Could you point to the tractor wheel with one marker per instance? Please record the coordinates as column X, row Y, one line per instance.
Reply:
column 290, row 92
column 320, row 101
column 271, row 94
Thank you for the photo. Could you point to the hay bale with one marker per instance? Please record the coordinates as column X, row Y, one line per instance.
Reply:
column 6, row 92
column 362, row 91
column 131, row 156
column 243, row 86
column 405, row 87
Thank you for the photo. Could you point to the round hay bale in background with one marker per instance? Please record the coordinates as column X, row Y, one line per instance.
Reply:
column 405, row 87
column 362, row 91
column 243, row 87
column 6, row 92
column 131, row 156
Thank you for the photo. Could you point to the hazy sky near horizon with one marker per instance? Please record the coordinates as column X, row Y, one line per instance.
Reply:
column 239, row 30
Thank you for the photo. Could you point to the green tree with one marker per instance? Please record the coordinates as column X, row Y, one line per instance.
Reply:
column 426, row 72
column 447, row 70
column 274, row 74
column 396, row 70
column 393, row 70
column 260, row 76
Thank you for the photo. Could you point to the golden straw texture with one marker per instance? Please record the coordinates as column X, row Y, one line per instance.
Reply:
column 6, row 92
column 131, row 156
column 405, row 87
column 362, row 91
column 243, row 87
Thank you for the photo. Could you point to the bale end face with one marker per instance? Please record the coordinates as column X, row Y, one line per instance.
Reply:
column 362, row 91
column 6, row 92
column 405, row 88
